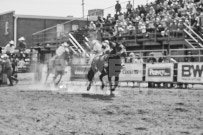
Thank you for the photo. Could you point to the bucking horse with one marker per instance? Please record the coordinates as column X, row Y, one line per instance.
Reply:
column 56, row 65
column 108, row 64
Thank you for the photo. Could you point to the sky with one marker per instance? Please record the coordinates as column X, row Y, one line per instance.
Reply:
column 61, row 8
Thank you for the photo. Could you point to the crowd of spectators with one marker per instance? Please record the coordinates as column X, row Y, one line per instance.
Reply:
column 19, row 58
column 163, row 16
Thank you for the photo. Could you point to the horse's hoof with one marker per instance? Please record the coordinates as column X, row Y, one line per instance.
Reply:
column 112, row 94
column 88, row 88
column 102, row 87
column 112, row 89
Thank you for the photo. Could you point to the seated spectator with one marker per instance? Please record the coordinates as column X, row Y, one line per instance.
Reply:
column 142, row 27
column 190, row 57
column 130, row 28
column 166, row 59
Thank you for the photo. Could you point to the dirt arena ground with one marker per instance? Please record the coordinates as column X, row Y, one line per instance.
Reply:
column 26, row 111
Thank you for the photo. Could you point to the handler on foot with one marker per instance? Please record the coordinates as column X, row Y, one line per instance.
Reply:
column 7, row 68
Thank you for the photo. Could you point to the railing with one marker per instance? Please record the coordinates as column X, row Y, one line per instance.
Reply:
column 194, row 33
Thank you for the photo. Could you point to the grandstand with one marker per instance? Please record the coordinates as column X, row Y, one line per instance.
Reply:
column 170, row 27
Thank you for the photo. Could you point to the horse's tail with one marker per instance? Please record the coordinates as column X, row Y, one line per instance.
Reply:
column 90, row 74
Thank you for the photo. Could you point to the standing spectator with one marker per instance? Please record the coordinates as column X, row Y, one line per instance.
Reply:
column 10, row 47
column 118, row 7
column 22, row 44
column 0, row 51
column 151, row 58
column 131, row 58
column 129, row 7
column 190, row 58
column 7, row 68
column 138, row 59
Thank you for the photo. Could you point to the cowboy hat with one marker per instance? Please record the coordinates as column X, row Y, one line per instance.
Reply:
column 131, row 54
column 106, row 41
column 21, row 39
column 4, row 56
column 11, row 42
column 65, row 44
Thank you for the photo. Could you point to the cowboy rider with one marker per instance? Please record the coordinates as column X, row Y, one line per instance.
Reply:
column 106, row 48
column 118, row 49
column 61, row 49
column 97, row 48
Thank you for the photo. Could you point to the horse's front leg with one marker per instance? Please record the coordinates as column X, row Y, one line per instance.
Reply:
column 47, row 76
column 103, row 73
column 90, row 76
column 110, row 85
column 54, row 78
column 56, row 84
column 116, row 82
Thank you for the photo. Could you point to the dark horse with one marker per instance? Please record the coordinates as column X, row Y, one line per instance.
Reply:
column 113, row 68
column 56, row 65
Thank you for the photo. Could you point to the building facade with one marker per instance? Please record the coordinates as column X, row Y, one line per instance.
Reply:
column 13, row 26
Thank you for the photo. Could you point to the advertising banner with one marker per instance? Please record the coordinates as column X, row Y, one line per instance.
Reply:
column 79, row 71
column 159, row 72
column 190, row 72
column 132, row 72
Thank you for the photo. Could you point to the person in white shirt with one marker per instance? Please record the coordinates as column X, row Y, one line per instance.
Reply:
column 138, row 59
column 10, row 47
column 96, row 49
column 92, row 26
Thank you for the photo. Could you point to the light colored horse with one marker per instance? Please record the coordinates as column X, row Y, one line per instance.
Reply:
column 56, row 65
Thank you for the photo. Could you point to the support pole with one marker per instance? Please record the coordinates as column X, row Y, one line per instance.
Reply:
column 83, row 9
column 133, row 4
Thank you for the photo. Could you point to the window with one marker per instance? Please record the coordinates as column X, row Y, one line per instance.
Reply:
column 75, row 27
column 6, row 28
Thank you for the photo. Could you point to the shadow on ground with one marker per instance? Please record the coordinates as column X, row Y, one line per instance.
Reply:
column 98, row 96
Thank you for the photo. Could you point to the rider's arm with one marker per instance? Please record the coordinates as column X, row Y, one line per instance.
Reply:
column 122, row 50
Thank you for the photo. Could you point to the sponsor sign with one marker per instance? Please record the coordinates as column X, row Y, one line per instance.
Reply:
column 132, row 72
column 79, row 72
column 96, row 12
column 190, row 72
column 159, row 72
